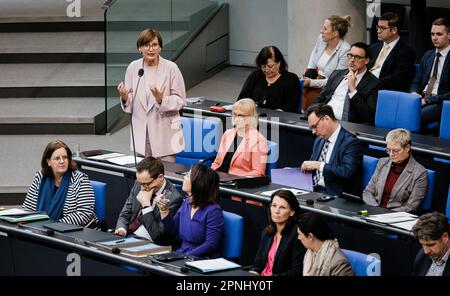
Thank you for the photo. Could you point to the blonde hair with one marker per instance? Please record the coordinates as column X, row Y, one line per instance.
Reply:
column 341, row 24
column 400, row 136
column 248, row 107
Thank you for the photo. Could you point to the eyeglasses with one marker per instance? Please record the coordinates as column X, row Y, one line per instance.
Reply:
column 238, row 115
column 382, row 28
column 268, row 67
column 314, row 126
column 59, row 158
column 148, row 183
column 154, row 45
column 355, row 57
column 393, row 151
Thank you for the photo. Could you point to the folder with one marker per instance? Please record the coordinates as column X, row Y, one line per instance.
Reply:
column 211, row 265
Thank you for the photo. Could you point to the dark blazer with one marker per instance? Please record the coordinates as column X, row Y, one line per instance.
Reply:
column 363, row 104
column 398, row 68
column 423, row 262
column 423, row 75
column 289, row 256
column 343, row 173
column 152, row 220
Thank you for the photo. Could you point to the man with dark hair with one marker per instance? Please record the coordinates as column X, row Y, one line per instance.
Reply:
column 139, row 215
column 432, row 231
column 352, row 93
column 336, row 160
column 432, row 82
column 392, row 60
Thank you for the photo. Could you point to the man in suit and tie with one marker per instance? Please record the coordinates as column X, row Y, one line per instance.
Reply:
column 432, row 231
column 392, row 60
column 139, row 215
column 432, row 81
column 337, row 154
column 353, row 92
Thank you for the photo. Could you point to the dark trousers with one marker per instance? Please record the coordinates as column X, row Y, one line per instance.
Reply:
column 430, row 114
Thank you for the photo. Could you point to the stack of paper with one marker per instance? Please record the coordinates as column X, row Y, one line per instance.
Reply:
column 18, row 215
column 393, row 219
column 293, row 190
column 211, row 265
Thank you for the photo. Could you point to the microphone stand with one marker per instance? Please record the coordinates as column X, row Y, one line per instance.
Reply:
column 140, row 73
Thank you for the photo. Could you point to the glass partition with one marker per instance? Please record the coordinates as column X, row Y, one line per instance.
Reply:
column 177, row 20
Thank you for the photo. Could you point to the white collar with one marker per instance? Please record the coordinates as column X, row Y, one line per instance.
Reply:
column 334, row 135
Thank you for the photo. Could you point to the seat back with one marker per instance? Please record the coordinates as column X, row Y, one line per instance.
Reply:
column 444, row 132
column 369, row 166
column 231, row 245
column 447, row 208
column 100, row 199
column 428, row 199
column 397, row 109
column 272, row 157
column 363, row 264
column 201, row 139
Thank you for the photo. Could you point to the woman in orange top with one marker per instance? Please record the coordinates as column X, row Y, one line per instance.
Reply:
column 243, row 149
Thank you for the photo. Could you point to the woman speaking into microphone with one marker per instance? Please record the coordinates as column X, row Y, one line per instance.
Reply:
column 154, row 97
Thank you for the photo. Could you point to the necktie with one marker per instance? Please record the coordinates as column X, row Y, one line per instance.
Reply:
column 433, row 76
column 322, row 157
column 381, row 57
column 346, row 107
column 136, row 223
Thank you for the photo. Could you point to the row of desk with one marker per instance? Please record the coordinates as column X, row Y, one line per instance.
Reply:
column 353, row 231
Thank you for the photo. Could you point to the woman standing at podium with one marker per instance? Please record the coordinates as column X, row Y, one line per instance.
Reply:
column 154, row 93
column 243, row 149
column 60, row 190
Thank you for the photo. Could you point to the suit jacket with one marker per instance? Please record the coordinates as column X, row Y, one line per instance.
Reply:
column 152, row 220
column 363, row 104
column 423, row 262
column 338, row 60
column 398, row 68
column 408, row 191
column 423, row 76
column 162, row 120
column 340, row 265
column 344, row 170
column 250, row 157
column 288, row 258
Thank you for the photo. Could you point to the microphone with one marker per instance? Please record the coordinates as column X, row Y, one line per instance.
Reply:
column 140, row 74
column 182, row 269
column 115, row 250
column 50, row 232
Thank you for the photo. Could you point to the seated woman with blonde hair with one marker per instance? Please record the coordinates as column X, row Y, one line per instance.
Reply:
column 323, row 256
column 243, row 149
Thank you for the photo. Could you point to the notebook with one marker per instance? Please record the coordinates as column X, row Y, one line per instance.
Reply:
column 211, row 265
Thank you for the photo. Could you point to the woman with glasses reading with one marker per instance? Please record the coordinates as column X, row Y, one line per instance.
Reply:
column 399, row 182
column 271, row 85
column 60, row 190
column 154, row 92
column 279, row 251
column 243, row 149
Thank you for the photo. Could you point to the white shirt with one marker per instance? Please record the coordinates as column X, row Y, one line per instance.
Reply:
column 377, row 71
column 437, row 267
column 322, row 62
column 332, row 139
column 443, row 53
column 339, row 95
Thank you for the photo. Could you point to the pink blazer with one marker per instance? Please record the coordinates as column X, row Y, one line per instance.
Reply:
column 250, row 158
column 161, row 121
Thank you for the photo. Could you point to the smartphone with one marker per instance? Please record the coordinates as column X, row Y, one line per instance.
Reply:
column 326, row 198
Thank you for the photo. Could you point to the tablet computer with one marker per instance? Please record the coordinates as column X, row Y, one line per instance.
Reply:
column 63, row 227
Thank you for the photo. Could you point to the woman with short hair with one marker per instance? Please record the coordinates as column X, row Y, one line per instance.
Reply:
column 399, row 182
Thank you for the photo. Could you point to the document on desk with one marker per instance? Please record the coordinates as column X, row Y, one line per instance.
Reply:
column 295, row 191
column 105, row 156
column 211, row 265
column 391, row 218
column 292, row 177
column 124, row 160
column 408, row 225
column 16, row 215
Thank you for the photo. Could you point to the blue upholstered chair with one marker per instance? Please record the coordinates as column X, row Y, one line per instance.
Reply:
column 231, row 245
column 369, row 166
column 201, row 139
column 100, row 200
column 447, row 208
column 428, row 199
column 363, row 264
column 272, row 158
column 397, row 109
column 444, row 131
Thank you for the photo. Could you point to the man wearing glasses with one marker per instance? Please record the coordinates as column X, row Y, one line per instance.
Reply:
column 139, row 215
column 336, row 160
column 392, row 60
column 353, row 92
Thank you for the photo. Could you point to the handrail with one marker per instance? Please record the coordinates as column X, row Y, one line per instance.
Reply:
column 199, row 29
column 108, row 4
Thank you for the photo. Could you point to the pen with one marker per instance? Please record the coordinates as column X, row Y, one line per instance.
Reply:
column 119, row 241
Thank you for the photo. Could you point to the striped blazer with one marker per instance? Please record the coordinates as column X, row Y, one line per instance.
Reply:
column 79, row 205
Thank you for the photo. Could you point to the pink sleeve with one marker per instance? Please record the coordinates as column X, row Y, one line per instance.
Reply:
column 177, row 94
